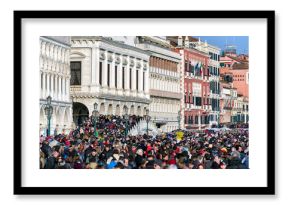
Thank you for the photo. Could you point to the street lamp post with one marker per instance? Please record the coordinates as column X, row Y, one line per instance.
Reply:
column 147, row 118
column 95, row 117
column 179, row 118
column 48, row 112
column 126, row 116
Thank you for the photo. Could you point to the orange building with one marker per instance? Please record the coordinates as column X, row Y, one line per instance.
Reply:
column 239, row 68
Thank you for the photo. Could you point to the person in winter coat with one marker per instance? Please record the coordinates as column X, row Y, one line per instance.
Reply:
column 51, row 162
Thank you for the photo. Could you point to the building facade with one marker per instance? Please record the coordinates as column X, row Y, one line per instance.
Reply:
column 239, row 67
column 196, row 103
column 236, row 67
column 228, row 98
column 240, row 112
column 110, row 73
column 214, row 76
column 165, row 93
column 55, row 77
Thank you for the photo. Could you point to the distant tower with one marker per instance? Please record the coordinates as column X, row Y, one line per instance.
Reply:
column 231, row 50
column 186, row 42
column 180, row 41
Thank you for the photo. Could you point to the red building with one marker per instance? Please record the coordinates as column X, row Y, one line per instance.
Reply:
column 196, row 102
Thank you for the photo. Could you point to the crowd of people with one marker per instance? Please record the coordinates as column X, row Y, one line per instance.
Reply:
column 109, row 147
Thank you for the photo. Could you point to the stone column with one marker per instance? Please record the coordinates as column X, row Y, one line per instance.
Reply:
column 134, row 80
column 105, row 71
column 52, row 87
column 93, row 68
column 63, row 88
column 119, row 74
column 48, row 85
column 147, row 81
column 67, row 89
column 97, row 66
column 112, row 74
column 59, row 88
column 140, row 80
column 127, row 77
column 43, row 48
column 43, row 85
column 40, row 82
column 55, row 87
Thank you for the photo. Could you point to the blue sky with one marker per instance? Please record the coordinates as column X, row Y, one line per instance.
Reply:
column 241, row 42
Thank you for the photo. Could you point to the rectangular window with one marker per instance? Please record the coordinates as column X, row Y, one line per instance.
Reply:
column 130, row 79
column 108, row 76
column 137, row 80
column 123, row 77
column 185, row 98
column 196, row 119
column 192, row 99
column 116, row 75
column 198, row 101
column 185, row 122
column 75, row 68
column 100, row 73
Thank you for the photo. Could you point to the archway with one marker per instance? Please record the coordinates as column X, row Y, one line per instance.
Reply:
column 80, row 113
column 110, row 109
column 102, row 109
column 124, row 110
column 139, row 110
column 144, row 111
column 132, row 110
column 118, row 110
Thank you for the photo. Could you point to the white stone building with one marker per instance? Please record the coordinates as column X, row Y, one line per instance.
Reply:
column 165, row 91
column 110, row 73
column 214, row 70
column 54, row 77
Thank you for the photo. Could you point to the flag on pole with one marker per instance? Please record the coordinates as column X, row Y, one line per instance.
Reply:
column 192, row 65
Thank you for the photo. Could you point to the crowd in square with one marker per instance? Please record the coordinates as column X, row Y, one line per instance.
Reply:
column 109, row 147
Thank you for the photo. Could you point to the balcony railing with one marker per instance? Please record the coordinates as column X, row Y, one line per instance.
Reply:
column 75, row 88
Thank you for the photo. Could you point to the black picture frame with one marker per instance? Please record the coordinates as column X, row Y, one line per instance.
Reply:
column 268, row 190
